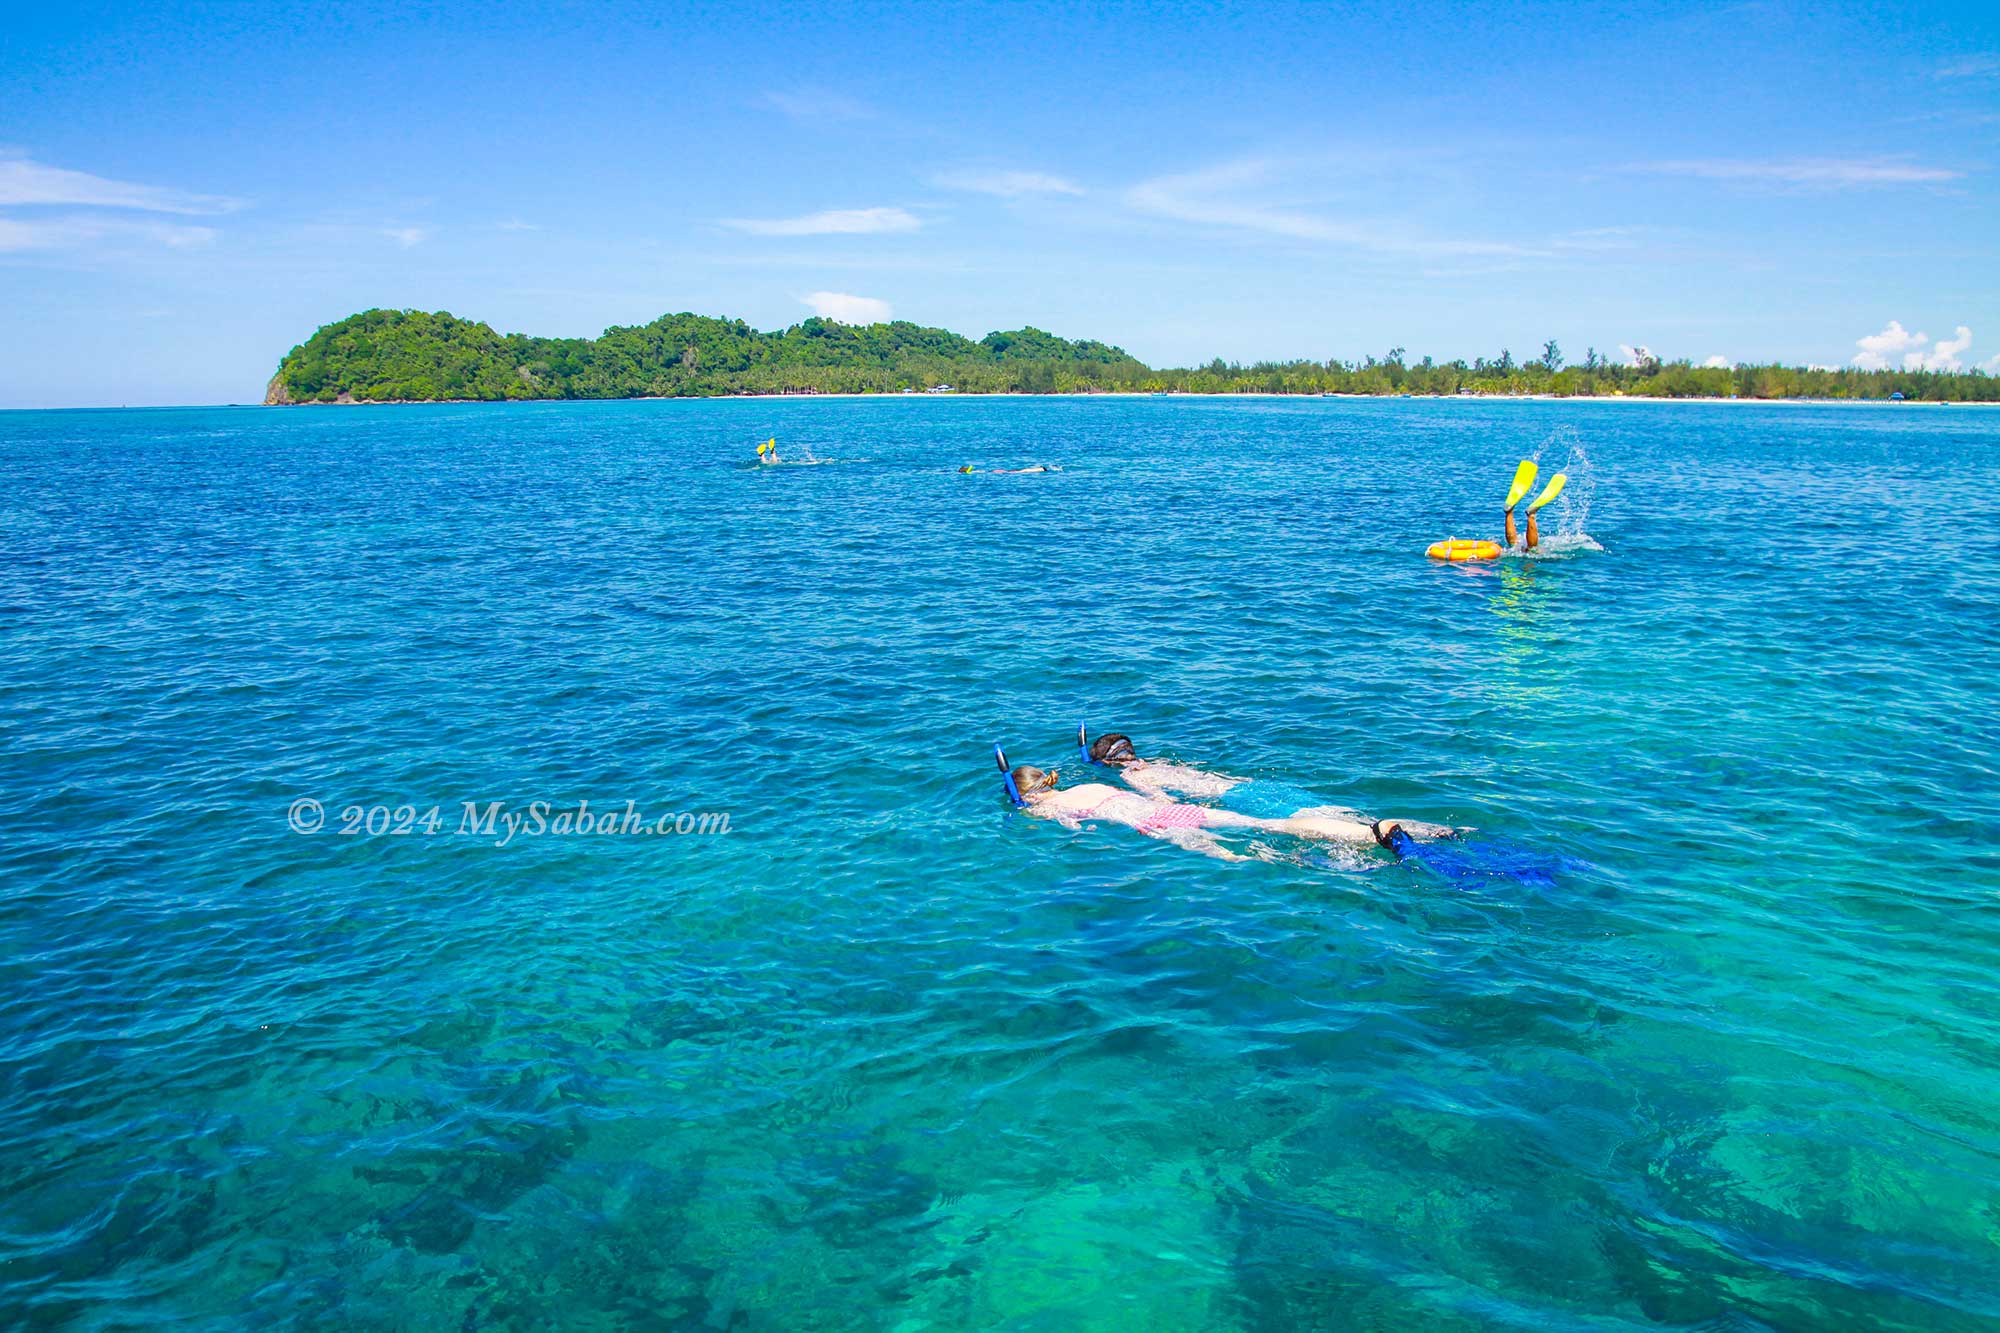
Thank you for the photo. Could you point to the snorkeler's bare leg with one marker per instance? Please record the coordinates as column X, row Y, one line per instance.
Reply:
column 1230, row 819
column 1421, row 830
column 1513, row 533
column 1534, row 533
column 1326, row 826
column 1326, row 822
column 1330, row 812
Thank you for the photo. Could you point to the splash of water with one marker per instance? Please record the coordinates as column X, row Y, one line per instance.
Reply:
column 1568, row 532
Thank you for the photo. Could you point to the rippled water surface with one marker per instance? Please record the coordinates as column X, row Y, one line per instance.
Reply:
column 1720, row 1052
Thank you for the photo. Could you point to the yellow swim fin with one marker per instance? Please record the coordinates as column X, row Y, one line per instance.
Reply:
column 1524, row 477
column 1555, row 488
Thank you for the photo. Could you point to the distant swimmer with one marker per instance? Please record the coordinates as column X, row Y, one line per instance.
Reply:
column 1254, row 797
column 1013, row 471
column 1524, row 477
column 767, row 453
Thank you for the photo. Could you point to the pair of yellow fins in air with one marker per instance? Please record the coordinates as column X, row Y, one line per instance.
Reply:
column 1524, row 478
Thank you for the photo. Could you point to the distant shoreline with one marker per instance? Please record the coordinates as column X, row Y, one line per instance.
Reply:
column 394, row 356
column 781, row 397
column 1120, row 393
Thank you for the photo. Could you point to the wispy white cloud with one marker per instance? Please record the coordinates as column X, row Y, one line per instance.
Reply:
column 407, row 236
column 1991, row 365
column 1229, row 196
column 1717, row 363
column 893, row 261
column 1917, row 352
column 1814, row 172
column 1978, row 65
column 1008, row 184
column 848, row 309
column 27, row 183
column 1641, row 355
column 816, row 104
column 515, row 224
column 1596, row 239
column 830, row 222
column 70, row 233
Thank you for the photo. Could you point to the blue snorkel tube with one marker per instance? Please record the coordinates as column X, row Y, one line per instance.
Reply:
column 1007, row 777
column 1083, row 744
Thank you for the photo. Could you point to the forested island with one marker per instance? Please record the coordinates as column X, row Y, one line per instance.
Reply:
column 382, row 356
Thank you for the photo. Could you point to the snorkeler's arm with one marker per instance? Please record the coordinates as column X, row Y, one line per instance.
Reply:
column 1055, row 814
column 1145, row 786
column 1160, row 781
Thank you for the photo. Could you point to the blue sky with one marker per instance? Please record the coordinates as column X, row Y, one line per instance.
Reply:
column 188, row 190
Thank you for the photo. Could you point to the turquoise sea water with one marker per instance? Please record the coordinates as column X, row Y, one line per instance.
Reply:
column 885, row 1055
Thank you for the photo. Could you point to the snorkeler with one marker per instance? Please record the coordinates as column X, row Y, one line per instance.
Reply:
column 1524, row 477
column 1457, row 549
column 1013, row 471
column 1036, row 792
column 767, row 452
column 1256, row 798
column 1435, row 848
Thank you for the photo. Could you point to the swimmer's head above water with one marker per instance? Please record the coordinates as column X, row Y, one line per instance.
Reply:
column 1113, row 747
column 1029, row 780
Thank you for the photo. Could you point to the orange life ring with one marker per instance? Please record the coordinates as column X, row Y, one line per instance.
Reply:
column 1460, row 549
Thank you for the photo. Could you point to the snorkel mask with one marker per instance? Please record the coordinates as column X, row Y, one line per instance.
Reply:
column 1122, row 747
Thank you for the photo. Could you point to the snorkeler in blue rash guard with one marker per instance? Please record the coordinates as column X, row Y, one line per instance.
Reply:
column 1255, row 797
